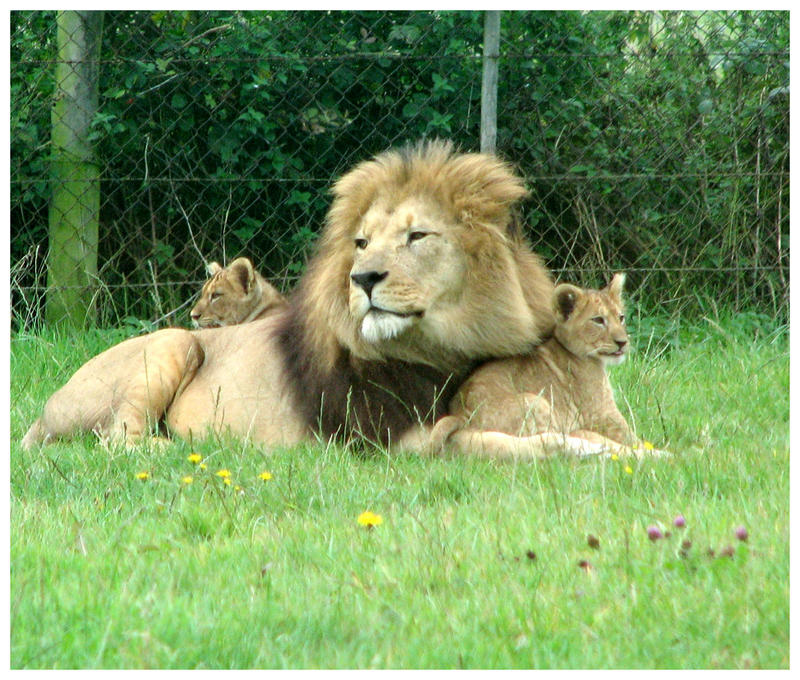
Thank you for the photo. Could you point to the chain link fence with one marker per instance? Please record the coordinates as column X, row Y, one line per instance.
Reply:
column 652, row 142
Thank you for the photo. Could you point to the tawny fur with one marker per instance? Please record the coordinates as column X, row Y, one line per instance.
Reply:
column 235, row 294
column 444, row 301
column 560, row 388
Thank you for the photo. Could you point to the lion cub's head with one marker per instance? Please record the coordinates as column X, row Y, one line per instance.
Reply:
column 234, row 294
column 591, row 323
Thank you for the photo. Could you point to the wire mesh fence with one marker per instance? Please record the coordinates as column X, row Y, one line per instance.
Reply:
column 652, row 142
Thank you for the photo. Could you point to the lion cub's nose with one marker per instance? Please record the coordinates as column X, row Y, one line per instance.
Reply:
column 367, row 280
column 621, row 343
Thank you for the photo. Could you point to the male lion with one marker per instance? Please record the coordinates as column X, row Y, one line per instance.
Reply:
column 513, row 406
column 417, row 276
column 234, row 294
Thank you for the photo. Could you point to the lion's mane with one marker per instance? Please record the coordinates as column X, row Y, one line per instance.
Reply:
column 341, row 380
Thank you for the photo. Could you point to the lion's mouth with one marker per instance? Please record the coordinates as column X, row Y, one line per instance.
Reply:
column 403, row 315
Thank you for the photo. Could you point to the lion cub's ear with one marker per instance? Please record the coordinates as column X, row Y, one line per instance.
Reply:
column 615, row 286
column 242, row 269
column 565, row 298
column 212, row 268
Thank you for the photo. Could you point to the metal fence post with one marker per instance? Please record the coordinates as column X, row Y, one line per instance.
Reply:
column 491, row 52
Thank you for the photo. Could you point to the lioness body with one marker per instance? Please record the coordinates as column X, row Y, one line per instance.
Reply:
column 560, row 387
column 235, row 294
column 417, row 277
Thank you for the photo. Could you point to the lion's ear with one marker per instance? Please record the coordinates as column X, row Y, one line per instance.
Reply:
column 565, row 298
column 242, row 269
column 212, row 268
column 615, row 286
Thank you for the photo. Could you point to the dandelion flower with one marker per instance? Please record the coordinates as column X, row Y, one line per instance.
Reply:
column 369, row 519
column 629, row 469
column 225, row 474
column 266, row 476
column 614, row 456
column 227, row 480
column 202, row 466
column 195, row 458
column 187, row 480
column 648, row 445
column 142, row 475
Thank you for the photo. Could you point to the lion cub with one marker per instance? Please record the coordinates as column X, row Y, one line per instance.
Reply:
column 234, row 294
column 560, row 388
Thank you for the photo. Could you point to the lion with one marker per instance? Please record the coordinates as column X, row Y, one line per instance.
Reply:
column 234, row 294
column 417, row 277
column 559, row 388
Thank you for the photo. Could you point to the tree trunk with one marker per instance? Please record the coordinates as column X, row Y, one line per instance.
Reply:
column 75, row 175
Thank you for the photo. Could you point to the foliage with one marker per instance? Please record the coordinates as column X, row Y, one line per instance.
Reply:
column 661, row 136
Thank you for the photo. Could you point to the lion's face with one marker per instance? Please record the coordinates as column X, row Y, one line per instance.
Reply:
column 233, row 295
column 407, row 264
column 591, row 323
column 417, row 263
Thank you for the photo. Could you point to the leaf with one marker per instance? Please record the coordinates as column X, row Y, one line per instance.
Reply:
column 178, row 101
column 705, row 107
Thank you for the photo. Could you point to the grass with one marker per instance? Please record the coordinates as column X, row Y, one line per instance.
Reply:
column 475, row 565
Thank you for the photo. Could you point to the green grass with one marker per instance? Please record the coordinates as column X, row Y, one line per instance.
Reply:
column 476, row 564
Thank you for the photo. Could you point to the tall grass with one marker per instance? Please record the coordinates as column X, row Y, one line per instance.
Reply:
column 475, row 565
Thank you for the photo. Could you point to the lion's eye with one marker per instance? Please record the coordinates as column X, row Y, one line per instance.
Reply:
column 599, row 320
column 361, row 243
column 416, row 236
column 216, row 294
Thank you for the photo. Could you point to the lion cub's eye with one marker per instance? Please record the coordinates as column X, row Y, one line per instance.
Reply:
column 216, row 294
column 416, row 236
column 361, row 243
column 599, row 320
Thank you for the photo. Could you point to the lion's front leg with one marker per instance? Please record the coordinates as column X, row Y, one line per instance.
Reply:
column 612, row 447
column 502, row 446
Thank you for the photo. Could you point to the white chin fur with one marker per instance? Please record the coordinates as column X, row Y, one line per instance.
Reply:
column 378, row 326
column 610, row 360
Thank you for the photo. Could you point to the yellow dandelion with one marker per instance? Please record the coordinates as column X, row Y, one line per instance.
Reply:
column 614, row 456
column 142, row 475
column 195, row 458
column 266, row 476
column 187, row 480
column 227, row 481
column 224, row 473
column 369, row 519
column 203, row 466
column 648, row 445
column 629, row 469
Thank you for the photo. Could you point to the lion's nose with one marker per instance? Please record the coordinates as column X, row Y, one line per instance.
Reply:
column 367, row 280
column 621, row 343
